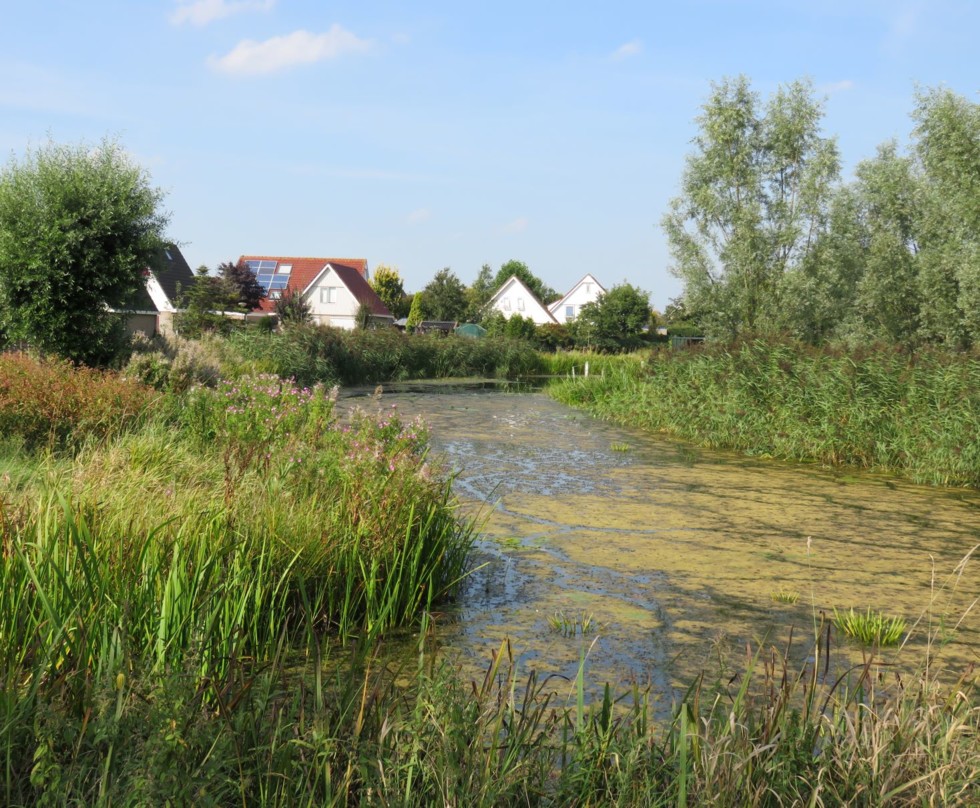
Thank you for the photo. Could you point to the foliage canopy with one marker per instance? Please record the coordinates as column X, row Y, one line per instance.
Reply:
column 78, row 228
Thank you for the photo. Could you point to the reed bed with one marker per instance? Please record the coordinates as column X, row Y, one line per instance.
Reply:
column 914, row 415
column 320, row 354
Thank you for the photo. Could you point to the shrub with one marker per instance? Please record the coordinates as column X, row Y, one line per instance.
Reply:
column 51, row 403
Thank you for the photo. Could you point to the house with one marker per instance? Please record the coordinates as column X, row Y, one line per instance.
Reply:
column 334, row 288
column 515, row 298
column 151, row 310
column 569, row 307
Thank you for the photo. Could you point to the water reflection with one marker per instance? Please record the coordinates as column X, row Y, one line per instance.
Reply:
column 675, row 552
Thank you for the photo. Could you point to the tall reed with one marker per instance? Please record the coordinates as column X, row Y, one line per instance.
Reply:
column 918, row 416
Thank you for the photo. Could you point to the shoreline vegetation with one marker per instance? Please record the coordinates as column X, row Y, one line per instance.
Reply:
column 203, row 567
column 916, row 415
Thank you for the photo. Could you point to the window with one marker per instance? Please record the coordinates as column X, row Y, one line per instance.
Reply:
column 569, row 312
column 520, row 304
column 506, row 302
column 285, row 269
column 275, row 294
column 328, row 294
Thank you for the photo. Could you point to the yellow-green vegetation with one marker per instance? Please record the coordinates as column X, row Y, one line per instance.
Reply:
column 870, row 628
column 916, row 415
column 785, row 596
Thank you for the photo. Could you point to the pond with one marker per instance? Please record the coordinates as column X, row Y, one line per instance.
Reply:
column 669, row 556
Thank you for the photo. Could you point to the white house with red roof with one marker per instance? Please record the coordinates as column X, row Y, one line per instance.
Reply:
column 513, row 297
column 334, row 288
column 569, row 307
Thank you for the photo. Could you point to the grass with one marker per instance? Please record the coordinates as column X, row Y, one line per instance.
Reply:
column 917, row 416
column 572, row 625
column 784, row 596
column 871, row 628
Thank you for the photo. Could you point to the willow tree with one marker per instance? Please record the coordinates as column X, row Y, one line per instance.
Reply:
column 78, row 228
column 946, row 144
column 754, row 196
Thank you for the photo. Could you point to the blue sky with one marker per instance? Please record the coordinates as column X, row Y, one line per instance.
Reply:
column 433, row 134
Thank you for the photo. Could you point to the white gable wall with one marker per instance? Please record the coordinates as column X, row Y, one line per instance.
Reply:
column 331, row 302
column 515, row 298
column 569, row 307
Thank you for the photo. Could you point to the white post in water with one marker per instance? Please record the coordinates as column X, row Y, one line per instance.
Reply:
column 586, row 370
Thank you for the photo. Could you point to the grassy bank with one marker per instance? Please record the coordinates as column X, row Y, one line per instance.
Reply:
column 917, row 416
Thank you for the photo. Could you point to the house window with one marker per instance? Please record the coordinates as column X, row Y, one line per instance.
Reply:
column 506, row 304
column 569, row 312
column 588, row 288
column 285, row 269
column 520, row 304
column 328, row 294
column 275, row 294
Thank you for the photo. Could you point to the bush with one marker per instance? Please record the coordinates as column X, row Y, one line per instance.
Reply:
column 51, row 403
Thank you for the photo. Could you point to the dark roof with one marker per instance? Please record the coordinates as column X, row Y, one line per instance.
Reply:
column 173, row 274
column 361, row 289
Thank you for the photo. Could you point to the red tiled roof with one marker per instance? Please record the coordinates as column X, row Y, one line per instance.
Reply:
column 305, row 270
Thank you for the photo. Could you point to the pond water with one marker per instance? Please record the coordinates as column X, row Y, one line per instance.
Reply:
column 672, row 554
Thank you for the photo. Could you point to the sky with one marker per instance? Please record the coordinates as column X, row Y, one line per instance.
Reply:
column 424, row 135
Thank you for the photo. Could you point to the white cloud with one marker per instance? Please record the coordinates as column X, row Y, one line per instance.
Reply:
column 519, row 225
column 626, row 50
column 251, row 58
column 419, row 216
column 836, row 87
column 201, row 12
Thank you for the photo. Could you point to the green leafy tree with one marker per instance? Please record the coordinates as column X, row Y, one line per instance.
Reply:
column 616, row 320
column 387, row 283
column 887, row 299
column 947, row 148
column 444, row 297
column 245, row 291
column 78, row 228
column 479, row 293
column 417, row 313
column 755, row 194
column 203, row 303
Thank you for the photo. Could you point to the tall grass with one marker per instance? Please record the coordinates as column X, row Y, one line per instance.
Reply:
column 917, row 415
column 321, row 354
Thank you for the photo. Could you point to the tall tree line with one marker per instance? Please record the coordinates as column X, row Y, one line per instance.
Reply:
column 767, row 237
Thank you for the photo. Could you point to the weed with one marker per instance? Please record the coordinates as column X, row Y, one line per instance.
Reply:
column 870, row 628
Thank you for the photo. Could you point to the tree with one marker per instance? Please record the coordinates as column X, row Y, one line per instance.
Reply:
column 387, row 284
column 203, row 303
column 293, row 308
column 616, row 319
column 416, row 314
column 78, row 228
column 947, row 148
column 245, row 291
column 480, row 292
column 444, row 298
column 541, row 291
column 754, row 197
